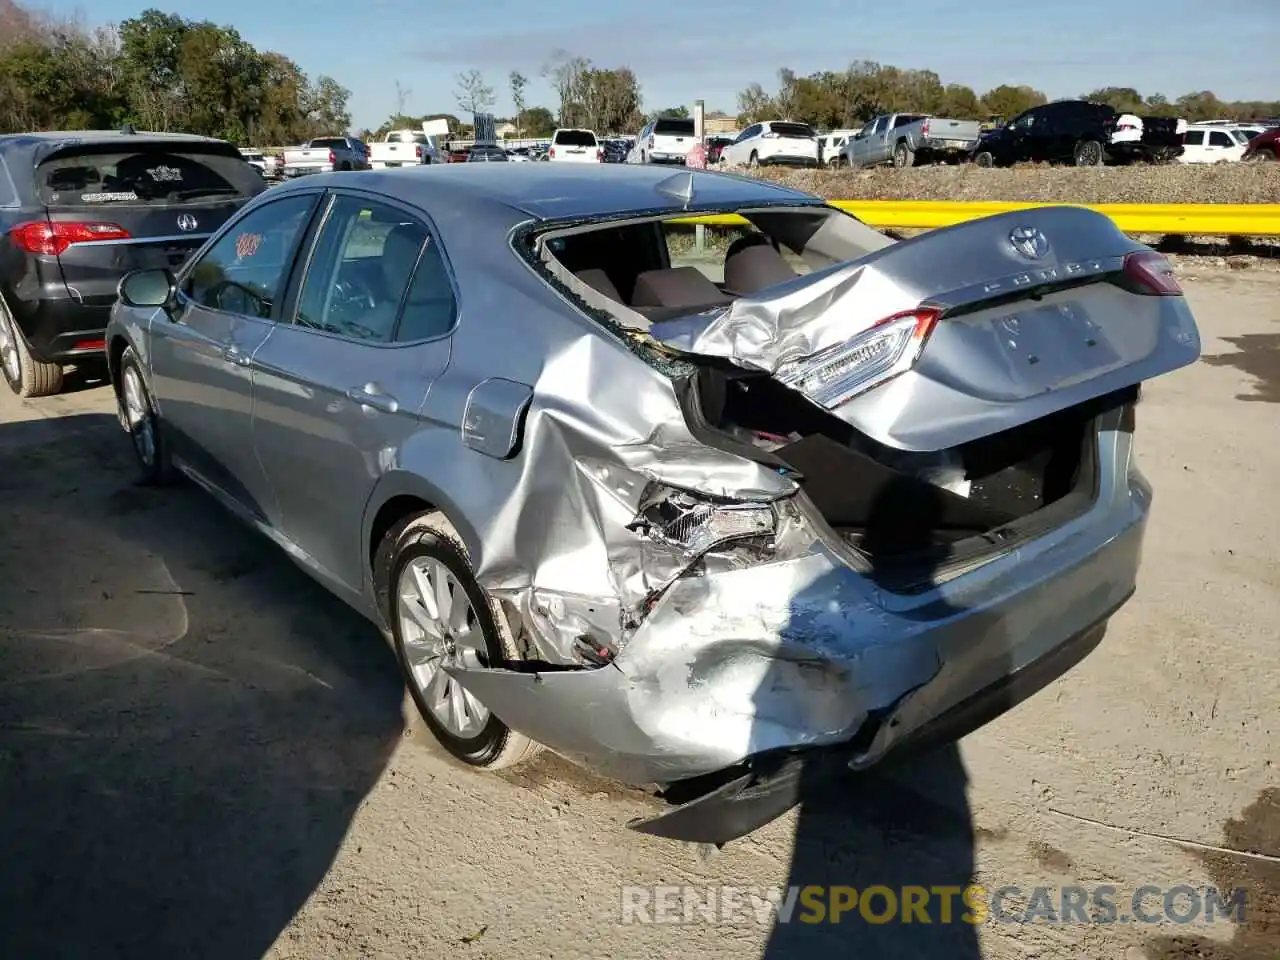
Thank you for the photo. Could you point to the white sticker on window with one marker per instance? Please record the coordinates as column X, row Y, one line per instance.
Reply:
column 105, row 197
column 165, row 174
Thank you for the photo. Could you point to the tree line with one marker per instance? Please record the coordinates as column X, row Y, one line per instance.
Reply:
column 849, row 98
column 161, row 71
column 157, row 71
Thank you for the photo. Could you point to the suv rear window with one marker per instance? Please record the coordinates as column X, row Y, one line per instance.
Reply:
column 801, row 130
column 674, row 127
column 575, row 138
column 147, row 174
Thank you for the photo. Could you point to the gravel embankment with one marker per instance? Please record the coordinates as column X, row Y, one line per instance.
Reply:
column 1178, row 183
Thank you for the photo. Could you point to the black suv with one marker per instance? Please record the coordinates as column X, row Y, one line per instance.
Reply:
column 77, row 212
column 1080, row 132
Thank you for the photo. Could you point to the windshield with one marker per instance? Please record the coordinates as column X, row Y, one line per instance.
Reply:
column 575, row 138
column 800, row 131
column 149, row 174
column 674, row 127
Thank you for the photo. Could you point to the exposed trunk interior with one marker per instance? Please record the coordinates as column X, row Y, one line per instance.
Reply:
column 910, row 514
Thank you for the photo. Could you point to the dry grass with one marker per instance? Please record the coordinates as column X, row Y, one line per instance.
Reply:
column 1177, row 183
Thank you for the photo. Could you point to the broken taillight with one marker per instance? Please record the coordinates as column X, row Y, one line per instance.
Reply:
column 1151, row 274
column 878, row 354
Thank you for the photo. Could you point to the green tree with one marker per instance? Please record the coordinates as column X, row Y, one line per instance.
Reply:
column 1007, row 101
column 517, row 81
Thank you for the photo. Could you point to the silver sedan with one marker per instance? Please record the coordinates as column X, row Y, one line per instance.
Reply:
column 695, row 522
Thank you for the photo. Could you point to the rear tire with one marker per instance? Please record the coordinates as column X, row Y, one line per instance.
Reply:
column 429, row 541
column 1264, row 155
column 985, row 159
column 903, row 156
column 1088, row 153
column 26, row 376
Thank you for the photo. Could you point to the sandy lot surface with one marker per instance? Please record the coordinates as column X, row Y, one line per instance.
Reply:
column 202, row 754
column 1140, row 183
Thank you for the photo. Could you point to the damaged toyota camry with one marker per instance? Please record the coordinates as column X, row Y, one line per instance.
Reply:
column 721, row 527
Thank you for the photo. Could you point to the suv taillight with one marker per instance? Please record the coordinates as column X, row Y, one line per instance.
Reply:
column 1151, row 274
column 333, row 158
column 51, row 238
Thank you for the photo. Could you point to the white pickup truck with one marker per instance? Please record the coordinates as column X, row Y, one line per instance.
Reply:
column 325, row 154
column 403, row 148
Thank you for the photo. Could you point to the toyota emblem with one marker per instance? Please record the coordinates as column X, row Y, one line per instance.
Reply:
column 1029, row 242
column 187, row 223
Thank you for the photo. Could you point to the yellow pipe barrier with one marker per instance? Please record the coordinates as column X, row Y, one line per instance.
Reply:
column 1185, row 219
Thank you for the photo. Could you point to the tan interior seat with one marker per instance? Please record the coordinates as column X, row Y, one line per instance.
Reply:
column 753, row 266
column 678, row 287
column 599, row 281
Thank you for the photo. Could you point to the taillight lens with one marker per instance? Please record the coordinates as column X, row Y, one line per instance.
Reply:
column 599, row 154
column 552, row 153
column 924, row 129
column 417, row 151
column 333, row 158
column 878, row 354
column 1151, row 274
column 51, row 238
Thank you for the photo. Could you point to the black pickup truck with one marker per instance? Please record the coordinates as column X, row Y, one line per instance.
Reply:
column 1082, row 133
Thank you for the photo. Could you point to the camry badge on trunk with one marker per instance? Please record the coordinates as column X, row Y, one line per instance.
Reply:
column 1029, row 242
column 187, row 223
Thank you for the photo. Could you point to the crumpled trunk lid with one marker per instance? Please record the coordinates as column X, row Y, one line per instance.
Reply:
column 1025, row 314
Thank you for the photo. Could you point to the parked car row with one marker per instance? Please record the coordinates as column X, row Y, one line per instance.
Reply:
column 497, row 418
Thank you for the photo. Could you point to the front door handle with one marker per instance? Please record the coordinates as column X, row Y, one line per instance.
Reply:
column 371, row 395
column 232, row 355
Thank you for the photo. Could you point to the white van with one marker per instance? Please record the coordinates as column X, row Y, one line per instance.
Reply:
column 571, row 145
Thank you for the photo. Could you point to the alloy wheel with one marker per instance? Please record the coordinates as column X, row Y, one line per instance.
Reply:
column 138, row 414
column 439, row 627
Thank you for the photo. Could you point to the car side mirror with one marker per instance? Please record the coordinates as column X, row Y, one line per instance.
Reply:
column 147, row 288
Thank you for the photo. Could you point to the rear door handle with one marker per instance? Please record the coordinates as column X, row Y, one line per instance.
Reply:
column 370, row 395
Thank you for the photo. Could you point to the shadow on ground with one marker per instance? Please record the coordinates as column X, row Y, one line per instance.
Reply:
column 187, row 723
column 1258, row 355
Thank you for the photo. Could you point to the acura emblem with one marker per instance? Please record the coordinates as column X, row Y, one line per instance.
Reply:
column 187, row 223
column 1029, row 242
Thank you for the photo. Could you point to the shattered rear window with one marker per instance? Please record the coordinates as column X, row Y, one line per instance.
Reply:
column 141, row 176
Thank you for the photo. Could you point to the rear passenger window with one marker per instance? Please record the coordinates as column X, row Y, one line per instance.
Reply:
column 1194, row 138
column 430, row 308
column 1219, row 139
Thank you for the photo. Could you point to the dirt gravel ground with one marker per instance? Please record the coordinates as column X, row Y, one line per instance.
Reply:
column 1174, row 183
column 202, row 754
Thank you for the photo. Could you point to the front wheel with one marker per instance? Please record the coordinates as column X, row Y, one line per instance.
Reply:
column 1263, row 155
column 26, row 376
column 984, row 158
column 440, row 615
column 138, row 418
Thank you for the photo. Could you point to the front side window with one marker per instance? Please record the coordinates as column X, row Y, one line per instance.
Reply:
column 246, row 268
column 1218, row 138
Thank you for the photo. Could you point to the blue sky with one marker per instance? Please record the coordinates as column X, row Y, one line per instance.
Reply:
column 685, row 49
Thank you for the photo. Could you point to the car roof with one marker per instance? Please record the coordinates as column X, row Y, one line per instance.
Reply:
column 559, row 191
